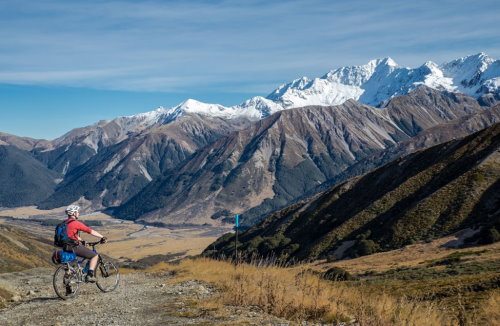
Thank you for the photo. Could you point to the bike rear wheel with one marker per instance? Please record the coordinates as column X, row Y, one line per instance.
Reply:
column 66, row 282
column 107, row 276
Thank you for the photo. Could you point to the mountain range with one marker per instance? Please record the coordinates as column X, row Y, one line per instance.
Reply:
column 201, row 163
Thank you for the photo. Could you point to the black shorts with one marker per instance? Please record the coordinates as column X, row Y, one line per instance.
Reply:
column 84, row 252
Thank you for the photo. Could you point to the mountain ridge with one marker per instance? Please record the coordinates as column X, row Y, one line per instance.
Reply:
column 427, row 194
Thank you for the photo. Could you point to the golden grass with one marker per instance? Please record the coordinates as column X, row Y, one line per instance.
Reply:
column 296, row 294
column 408, row 256
column 492, row 310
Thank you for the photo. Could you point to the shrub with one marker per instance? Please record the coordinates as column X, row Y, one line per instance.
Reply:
column 363, row 248
column 221, row 213
column 337, row 274
column 491, row 236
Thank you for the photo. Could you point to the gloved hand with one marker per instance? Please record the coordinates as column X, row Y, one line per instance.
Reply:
column 83, row 242
column 104, row 240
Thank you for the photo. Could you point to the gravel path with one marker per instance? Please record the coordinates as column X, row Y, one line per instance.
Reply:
column 141, row 299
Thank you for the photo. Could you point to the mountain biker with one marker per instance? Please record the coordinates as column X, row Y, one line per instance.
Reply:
column 78, row 246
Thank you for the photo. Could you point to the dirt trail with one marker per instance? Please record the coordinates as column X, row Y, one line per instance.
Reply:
column 141, row 299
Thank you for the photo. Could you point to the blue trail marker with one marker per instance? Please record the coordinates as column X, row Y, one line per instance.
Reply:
column 237, row 224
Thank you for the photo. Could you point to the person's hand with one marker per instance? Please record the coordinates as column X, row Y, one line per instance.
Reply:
column 104, row 240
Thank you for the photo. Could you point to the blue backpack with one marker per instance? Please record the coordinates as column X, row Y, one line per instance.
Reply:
column 61, row 237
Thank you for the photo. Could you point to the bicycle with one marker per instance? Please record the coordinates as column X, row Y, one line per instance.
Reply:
column 68, row 277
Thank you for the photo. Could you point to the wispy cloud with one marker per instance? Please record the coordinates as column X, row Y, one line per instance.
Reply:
column 173, row 45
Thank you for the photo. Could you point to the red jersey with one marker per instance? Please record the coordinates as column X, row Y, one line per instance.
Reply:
column 76, row 226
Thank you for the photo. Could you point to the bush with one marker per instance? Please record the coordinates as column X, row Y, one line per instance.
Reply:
column 337, row 274
column 219, row 214
column 491, row 236
column 363, row 248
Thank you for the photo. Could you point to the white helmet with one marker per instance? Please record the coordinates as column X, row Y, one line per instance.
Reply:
column 72, row 209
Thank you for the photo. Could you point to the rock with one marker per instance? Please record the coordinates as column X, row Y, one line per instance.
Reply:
column 31, row 292
column 15, row 298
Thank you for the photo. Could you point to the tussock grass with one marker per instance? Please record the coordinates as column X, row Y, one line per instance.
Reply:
column 298, row 294
column 492, row 309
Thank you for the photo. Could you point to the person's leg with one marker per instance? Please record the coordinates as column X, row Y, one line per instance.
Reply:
column 93, row 263
column 85, row 252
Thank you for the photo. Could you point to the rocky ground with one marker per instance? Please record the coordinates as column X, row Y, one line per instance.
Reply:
column 141, row 299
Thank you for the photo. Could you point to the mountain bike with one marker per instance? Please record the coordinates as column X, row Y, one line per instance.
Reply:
column 68, row 277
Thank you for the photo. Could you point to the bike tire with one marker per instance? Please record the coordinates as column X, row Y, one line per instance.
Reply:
column 61, row 280
column 107, row 276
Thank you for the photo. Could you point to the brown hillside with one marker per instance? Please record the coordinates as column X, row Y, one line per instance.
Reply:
column 21, row 250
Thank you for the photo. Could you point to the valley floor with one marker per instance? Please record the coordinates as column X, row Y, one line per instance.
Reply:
column 128, row 241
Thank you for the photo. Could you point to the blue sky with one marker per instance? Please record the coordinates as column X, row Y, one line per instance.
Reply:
column 67, row 64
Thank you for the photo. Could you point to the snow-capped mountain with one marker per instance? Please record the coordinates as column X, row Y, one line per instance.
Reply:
column 374, row 83
column 380, row 80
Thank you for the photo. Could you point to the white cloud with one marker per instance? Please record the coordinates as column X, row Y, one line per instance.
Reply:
column 172, row 45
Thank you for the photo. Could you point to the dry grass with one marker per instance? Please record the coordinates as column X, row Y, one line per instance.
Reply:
column 492, row 310
column 296, row 294
column 408, row 256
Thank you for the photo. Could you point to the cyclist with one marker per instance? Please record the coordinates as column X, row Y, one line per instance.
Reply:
column 78, row 246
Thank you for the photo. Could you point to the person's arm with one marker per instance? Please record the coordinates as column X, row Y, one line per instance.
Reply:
column 96, row 234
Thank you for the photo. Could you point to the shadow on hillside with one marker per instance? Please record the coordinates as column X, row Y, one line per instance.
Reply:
column 486, row 209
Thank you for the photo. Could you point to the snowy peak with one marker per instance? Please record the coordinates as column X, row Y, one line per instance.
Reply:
column 470, row 64
column 381, row 79
column 474, row 75
column 374, row 83
column 194, row 106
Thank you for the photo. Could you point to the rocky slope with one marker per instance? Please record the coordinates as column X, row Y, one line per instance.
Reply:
column 422, row 196
column 441, row 133
column 118, row 172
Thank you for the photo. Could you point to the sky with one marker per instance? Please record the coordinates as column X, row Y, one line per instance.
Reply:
column 68, row 64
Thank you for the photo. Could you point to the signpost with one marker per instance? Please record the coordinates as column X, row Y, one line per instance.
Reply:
column 237, row 224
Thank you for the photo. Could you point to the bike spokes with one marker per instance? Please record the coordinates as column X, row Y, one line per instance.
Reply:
column 107, row 276
column 66, row 282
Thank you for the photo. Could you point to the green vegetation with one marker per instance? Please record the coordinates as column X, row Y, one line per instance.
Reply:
column 337, row 274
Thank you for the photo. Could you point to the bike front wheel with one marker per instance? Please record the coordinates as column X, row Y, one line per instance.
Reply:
column 107, row 276
column 66, row 282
